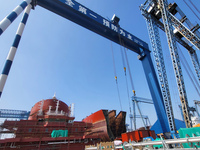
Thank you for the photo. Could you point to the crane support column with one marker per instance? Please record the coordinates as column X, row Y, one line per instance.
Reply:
column 159, row 59
column 13, row 15
column 195, row 62
column 175, row 60
column 155, row 91
column 13, row 49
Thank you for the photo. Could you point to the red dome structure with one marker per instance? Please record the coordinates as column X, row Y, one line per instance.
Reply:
column 49, row 107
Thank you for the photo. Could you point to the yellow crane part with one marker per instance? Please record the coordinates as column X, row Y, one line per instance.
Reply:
column 115, row 77
column 134, row 92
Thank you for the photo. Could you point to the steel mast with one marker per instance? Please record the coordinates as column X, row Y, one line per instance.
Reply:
column 191, row 35
column 153, row 11
column 159, row 61
column 175, row 60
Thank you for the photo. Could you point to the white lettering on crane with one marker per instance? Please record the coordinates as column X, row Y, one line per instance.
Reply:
column 130, row 37
column 138, row 42
column 122, row 32
column 82, row 9
column 113, row 27
column 93, row 15
column 106, row 23
column 70, row 3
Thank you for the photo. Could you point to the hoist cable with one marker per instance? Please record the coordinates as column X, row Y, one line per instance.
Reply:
column 122, row 54
column 187, row 65
column 189, row 72
column 129, row 70
column 124, row 65
column 113, row 58
column 116, row 75
column 128, row 94
column 191, row 78
column 122, row 44
column 127, row 62
column 191, row 10
column 119, row 96
column 194, row 6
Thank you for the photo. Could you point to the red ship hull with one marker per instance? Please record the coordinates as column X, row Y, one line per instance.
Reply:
column 48, row 117
column 106, row 124
column 54, row 116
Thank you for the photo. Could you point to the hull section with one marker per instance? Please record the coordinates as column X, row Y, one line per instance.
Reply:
column 106, row 124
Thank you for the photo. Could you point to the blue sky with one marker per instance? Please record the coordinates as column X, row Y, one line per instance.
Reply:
column 58, row 56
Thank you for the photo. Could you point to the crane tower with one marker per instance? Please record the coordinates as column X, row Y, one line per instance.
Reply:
column 158, row 14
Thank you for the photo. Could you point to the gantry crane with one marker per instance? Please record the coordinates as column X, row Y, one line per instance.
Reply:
column 153, row 11
column 133, row 117
column 145, row 120
column 83, row 16
column 158, row 57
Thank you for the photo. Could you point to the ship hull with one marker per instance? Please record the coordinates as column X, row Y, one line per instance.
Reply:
column 106, row 124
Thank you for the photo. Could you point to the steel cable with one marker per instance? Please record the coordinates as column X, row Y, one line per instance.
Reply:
column 115, row 73
column 189, row 72
column 191, row 9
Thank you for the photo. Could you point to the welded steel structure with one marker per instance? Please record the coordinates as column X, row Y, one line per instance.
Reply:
column 159, row 60
column 46, row 117
column 135, row 101
column 153, row 11
column 106, row 124
column 83, row 16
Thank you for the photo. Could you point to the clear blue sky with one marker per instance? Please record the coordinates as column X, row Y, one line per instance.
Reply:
column 57, row 55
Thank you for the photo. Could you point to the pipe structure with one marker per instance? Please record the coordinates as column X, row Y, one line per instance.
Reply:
column 13, row 48
column 13, row 15
column 170, row 141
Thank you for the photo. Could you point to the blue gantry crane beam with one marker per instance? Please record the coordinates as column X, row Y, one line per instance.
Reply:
column 85, row 17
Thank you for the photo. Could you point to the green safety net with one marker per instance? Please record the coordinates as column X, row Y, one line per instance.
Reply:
column 190, row 132
column 59, row 133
